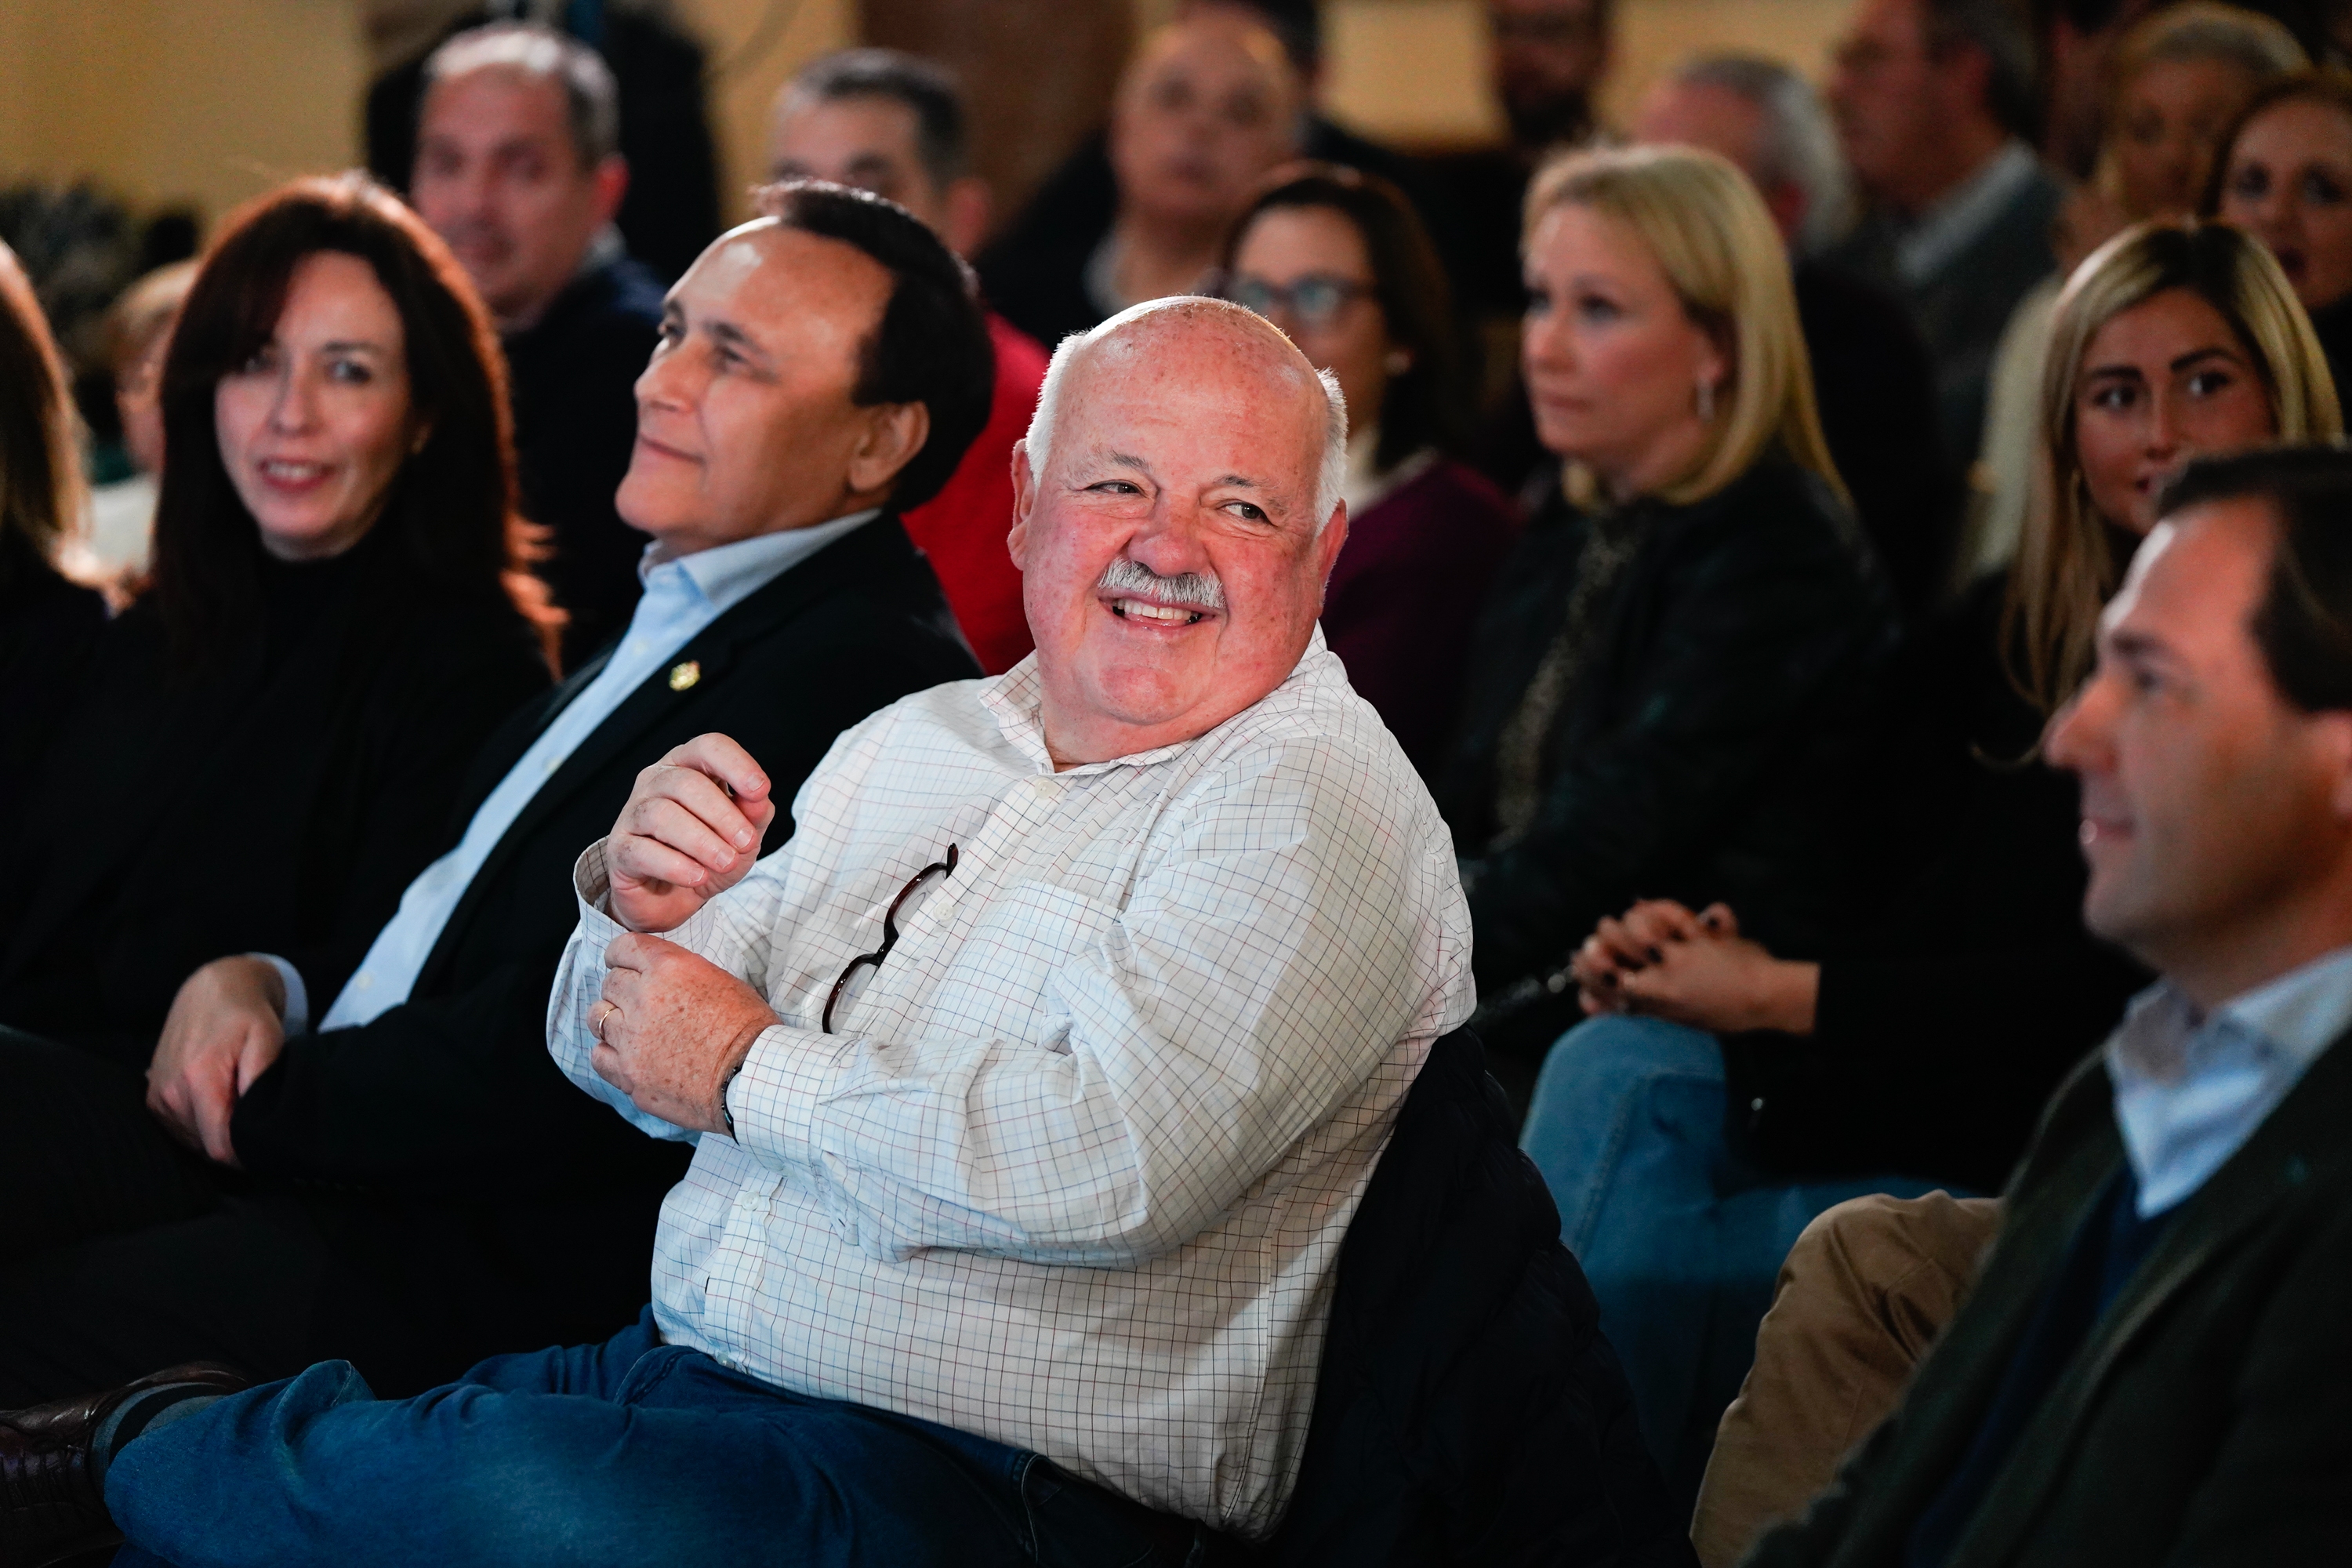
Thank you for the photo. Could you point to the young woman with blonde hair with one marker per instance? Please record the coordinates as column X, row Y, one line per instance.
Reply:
column 1913, row 1046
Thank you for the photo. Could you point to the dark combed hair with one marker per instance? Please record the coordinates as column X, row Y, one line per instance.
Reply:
column 931, row 346
column 450, row 515
column 2002, row 31
column 1421, row 407
column 927, row 90
column 2303, row 624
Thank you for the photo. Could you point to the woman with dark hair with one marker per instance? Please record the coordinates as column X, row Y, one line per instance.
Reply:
column 45, row 622
column 336, row 619
column 1337, row 260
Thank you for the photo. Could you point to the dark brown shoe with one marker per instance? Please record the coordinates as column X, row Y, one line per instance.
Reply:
column 52, row 1505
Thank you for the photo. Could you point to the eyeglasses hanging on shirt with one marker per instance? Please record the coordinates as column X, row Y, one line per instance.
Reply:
column 866, row 962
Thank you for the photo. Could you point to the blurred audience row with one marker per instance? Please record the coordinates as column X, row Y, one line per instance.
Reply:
column 1723, row 611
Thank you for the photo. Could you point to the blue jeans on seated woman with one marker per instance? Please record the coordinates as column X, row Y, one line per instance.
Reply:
column 1681, row 1237
column 631, row 1452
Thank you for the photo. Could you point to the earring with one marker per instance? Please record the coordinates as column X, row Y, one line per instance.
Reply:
column 1399, row 361
column 1705, row 401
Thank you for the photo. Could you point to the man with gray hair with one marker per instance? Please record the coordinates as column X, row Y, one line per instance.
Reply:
column 1873, row 379
column 518, row 168
column 1033, row 1080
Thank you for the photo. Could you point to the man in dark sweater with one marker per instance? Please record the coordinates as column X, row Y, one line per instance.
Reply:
column 517, row 167
column 2151, row 1364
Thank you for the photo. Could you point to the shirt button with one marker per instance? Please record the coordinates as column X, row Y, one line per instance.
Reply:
column 362, row 980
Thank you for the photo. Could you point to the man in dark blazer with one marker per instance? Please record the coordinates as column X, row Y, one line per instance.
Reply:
column 2154, row 1364
column 415, row 1185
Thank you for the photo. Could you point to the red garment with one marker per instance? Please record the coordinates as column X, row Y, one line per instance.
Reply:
column 963, row 528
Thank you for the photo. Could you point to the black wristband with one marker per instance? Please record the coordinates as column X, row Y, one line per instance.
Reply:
column 726, row 1115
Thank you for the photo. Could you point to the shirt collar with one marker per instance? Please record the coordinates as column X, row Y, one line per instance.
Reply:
column 2296, row 1016
column 727, row 574
column 1013, row 700
column 1939, row 234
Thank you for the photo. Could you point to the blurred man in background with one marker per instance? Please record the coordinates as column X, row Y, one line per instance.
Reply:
column 518, row 168
column 1208, row 104
column 1872, row 375
column 889, row 124
column 1933, row 99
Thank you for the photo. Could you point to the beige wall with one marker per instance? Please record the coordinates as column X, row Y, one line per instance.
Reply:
column 211, row 100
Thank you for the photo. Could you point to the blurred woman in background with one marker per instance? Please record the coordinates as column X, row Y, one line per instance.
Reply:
column 269, row 742
column 1916, row 1048
column 2179, row 81
column 138, row 330
column 47, row 623
column 1661, row 681
column 2287, row 179
column 1339, row 261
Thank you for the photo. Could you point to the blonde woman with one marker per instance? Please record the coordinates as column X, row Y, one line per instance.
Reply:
column 2176, row 82
column 1659, row 678
column 1917, row 1046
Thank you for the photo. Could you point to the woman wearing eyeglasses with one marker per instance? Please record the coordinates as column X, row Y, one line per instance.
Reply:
column 1337, row 260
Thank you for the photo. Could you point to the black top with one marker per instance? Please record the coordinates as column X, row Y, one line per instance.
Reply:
column 1698, row 751
column 277, row 803
column 484, row 1200
column 573, row 376
column 1876, row 389
column 2207, row 1415
column 1035, row 272
column 2333, row 325
column 46, row 628
column 1959, row 986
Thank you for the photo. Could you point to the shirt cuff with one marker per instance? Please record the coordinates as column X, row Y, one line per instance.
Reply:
column 775, row 1097
column 296, row 1015
column 592, row 885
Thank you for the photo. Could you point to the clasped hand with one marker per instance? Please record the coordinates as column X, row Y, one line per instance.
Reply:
column 1663, row 961
column 672, row 1027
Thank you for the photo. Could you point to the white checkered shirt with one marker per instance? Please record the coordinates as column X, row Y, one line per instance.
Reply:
column 1074, row 1171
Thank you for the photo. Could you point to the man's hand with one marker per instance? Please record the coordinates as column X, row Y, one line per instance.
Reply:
column 671, row 1030
column 224, row 1030
column 1663, row 962
column 690, row 831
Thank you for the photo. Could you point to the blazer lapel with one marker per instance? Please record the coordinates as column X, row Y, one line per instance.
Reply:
column 715, row 648
column 2264, row 1173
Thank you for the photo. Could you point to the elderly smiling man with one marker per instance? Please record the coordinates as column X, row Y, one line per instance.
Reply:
column 1034, row 1080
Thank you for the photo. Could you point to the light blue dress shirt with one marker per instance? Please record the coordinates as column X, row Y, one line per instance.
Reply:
column 682, row 596
column 2190, row 1091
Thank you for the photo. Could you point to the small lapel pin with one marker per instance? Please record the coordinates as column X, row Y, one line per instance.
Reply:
column 682, row 676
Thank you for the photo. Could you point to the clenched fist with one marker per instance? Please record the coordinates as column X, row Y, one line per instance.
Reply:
column 690, row 831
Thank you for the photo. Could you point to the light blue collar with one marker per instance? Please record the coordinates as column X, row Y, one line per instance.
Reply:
column 727, row 574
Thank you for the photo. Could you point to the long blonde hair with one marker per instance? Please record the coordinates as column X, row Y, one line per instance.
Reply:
column 2065, row 568
column 1707, row 228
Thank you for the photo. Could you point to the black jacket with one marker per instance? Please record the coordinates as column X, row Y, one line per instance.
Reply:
column 277, row 803
column 1959, row 986
column 1467, row 1409
column 573, row 376
column 476, row 1199
column 1701, row 753
column 2207, row 1417
column 48, row 625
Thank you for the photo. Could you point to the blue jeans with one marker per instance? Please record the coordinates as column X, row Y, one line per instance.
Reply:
column 1681, row 1239
column 630, row 1452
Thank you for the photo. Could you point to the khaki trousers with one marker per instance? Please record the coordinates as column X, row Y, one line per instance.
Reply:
column 1864, row 1291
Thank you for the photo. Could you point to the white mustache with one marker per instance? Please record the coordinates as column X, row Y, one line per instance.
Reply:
column 1196, row 590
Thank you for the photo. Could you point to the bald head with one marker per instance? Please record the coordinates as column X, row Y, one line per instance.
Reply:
column 1177, row 514
column 1250, row 347
column 1208, row 104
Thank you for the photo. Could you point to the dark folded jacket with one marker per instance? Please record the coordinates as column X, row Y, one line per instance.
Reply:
column 1468, row 1410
